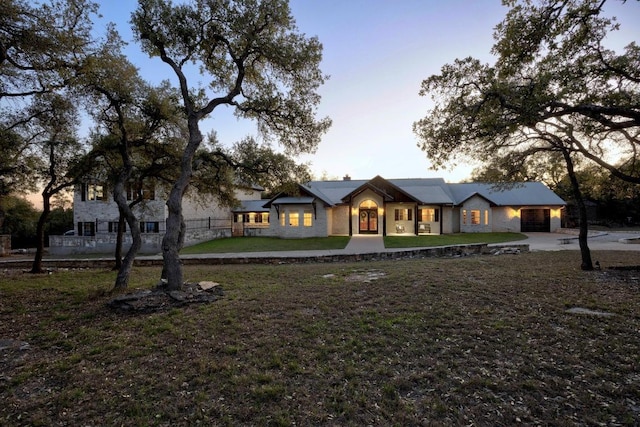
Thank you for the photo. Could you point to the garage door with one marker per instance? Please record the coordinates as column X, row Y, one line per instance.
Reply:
column 533, row 220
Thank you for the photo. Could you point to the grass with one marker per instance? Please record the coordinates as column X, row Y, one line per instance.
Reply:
column 483, row 340
column 271, row 244
column 266, row 244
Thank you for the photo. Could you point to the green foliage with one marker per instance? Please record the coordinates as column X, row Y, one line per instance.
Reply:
column 555, row 86
column 60, row 220
column 20, row 220
column 266, row 244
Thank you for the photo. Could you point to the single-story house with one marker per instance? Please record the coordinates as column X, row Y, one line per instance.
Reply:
column 322, row 208
column 412, row 207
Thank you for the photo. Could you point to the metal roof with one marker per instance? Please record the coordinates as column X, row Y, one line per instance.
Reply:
column 516, row 194
column 431, row 191
column 251, row 206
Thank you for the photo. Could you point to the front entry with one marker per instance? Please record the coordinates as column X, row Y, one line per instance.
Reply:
column 368, row 217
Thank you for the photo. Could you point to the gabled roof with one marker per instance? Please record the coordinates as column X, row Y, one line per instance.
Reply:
column 424, row 191
column 251, row 206
column 517, row 194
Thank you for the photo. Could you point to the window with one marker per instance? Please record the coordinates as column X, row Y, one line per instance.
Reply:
column 475, row 217
column 113, row 226
column 86, row 229
column 144, row 191
column 486, row 217
column 308, row 219
column 464, row 216
column 282, row 220
column 149, row 227
column 403, row 214
column 92, row 192
column 294, row 219
column 429, row 215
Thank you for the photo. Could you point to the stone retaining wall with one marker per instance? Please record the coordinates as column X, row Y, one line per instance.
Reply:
column 442, row 251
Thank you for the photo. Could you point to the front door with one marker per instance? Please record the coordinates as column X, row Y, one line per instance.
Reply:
column 368, row 221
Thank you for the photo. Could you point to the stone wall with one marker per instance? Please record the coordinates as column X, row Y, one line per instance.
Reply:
column 5, row 244
column 106, row 243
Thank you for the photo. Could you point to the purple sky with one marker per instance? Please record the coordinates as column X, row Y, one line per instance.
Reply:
column 376, row 52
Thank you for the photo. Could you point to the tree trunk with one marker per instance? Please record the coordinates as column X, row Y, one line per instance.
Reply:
column 174, row 235
column 585, row 253
column 122, row 278
column 36, row 267
column 119, row 239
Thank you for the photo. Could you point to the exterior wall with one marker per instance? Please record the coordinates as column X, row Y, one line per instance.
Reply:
column 208, row 219
column 339, row 221
column 102, row 212
column 367, row 195
column 204, row 207
column 400, row 226
column 248, row 194
column 506, row 219
column 476, row 204
column 556, row 219
column 318, row 226
column 429, row 227
column 450, row 220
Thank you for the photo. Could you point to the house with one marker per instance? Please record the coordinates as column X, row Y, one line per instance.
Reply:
column 379, row 206
column 95, row 217
column 412, row 207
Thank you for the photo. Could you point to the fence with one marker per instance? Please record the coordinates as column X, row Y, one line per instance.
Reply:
column 104, row 240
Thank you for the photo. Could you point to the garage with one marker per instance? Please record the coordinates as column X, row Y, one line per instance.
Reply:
column 535, row 220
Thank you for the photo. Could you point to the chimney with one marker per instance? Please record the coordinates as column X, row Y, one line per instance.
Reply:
column 346, row 178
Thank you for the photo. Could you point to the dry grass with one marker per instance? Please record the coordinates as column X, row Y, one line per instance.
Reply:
column 480, row 340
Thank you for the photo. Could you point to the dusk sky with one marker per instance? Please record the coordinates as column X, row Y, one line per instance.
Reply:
column 376, row 53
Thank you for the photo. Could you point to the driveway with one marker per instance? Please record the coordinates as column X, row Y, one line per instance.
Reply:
column 598, row 242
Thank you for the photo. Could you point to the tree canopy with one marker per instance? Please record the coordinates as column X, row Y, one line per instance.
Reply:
column 554, row 75
column 556, row 89
column 255, row 62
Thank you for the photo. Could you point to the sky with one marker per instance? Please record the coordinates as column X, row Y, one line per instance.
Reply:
column 376, row 52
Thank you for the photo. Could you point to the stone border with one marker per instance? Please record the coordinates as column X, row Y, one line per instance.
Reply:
column 439, row 251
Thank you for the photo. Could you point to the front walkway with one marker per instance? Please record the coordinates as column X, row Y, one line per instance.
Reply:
column 362, row 244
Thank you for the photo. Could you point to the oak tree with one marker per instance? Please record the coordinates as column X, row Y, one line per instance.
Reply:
column 254, row 61
column 556, row 87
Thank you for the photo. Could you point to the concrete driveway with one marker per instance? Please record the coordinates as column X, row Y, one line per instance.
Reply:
column 612, row 241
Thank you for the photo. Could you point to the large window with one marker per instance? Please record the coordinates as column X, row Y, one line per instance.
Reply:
column 86, row 228
column 252, row 218
column 403, row 214
column 144, row 192
column 475, row 217
column 113, row 226
column 93, row 192
column 149, row 227
column 308, row 219
column 429, row 215
column 294, row 219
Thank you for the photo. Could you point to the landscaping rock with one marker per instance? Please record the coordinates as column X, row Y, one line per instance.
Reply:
column 146, row 301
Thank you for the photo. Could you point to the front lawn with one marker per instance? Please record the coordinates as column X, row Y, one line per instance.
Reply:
column 479, row 340
column 266, row 244
column 274, row 244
